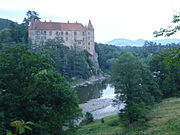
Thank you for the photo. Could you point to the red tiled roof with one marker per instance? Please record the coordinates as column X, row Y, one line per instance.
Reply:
column 56, row 26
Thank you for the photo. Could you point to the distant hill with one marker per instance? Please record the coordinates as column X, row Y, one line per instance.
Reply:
column 139, row 42
column 5, row 23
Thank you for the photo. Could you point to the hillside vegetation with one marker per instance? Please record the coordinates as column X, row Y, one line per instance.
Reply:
column 164, row 119
column 5, row 23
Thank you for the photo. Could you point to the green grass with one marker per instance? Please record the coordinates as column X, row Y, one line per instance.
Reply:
column 164, row 120
column 109, row 127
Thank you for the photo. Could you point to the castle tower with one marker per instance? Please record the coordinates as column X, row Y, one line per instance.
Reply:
column 90, row 26
column 90, row 38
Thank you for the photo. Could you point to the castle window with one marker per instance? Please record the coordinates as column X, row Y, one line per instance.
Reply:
column 44, row 32
column 37, row 37
column 79, row 42
column 37, row 32
column 62, row 33
column 61, row 38
column 66, row 38
column 83, row 33
column 50, row 33
column 88, row 38
column 57, row 33
column 88, row 33
column 88, row 43
column 66, row 33
column 75, row 33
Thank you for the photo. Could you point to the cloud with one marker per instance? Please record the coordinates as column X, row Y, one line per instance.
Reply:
column 111, row 18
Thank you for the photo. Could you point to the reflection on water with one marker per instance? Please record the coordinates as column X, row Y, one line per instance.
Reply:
column 98, row 99
column 92, row 91
column 108, row 92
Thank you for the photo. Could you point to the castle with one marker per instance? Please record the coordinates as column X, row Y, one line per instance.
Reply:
column 73, row 35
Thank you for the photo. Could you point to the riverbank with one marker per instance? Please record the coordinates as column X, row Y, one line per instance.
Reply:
column 91, row 80
column 164, row 119
column 101, row 108
column 98, row 99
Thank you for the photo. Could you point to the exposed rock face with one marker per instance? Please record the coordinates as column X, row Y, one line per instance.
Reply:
column 94, row 59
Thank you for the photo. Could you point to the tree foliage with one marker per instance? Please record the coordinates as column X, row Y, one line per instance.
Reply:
column 135, row 86
column 20, row 127
column 31, row 16
column 29, row 91
column 6, row 36
column 107, row 55
column 54, row 101
column 14, row 33
column 5, row 23
column 69, row 62
column 88, row 118
column 168, row 78
column 171, row 30
column 174, row 58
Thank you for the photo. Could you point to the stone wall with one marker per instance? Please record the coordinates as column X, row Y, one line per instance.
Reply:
column 77, row 39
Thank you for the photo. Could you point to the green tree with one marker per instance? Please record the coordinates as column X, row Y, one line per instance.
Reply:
column 174, row 58
column 29, row 91
column 31, row 16
column 135, row 86
column 171, row 30
column 107, row 55
column 18, row 65
column 68, row 62
column 5, row 36
column 167, row 78
column 5, row 23
column 15, row 33
column 55, row 102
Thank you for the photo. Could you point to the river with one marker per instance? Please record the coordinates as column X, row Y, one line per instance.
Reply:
column 98, row 99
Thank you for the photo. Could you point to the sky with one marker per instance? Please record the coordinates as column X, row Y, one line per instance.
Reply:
column 131, row 19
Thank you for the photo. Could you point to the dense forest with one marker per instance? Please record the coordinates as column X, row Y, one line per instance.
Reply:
column 34, row 84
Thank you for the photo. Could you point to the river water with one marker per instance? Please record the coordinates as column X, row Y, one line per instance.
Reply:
column 98, row 99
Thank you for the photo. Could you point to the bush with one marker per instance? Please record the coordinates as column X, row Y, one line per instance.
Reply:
column 88, row 118
column 102, row 120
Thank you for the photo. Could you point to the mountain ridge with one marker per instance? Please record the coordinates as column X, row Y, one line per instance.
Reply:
column 140, row 42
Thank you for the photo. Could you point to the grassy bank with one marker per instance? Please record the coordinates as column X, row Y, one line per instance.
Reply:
column 164, row 120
